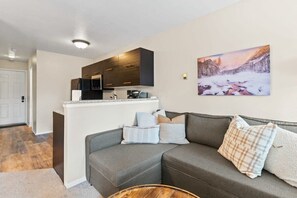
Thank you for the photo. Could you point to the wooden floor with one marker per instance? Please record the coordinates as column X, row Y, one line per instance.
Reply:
column 21, row 150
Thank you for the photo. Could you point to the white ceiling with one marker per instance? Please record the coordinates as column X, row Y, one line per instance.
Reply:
column 108, row 24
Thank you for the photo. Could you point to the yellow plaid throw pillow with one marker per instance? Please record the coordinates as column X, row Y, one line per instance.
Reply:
column 247, row 146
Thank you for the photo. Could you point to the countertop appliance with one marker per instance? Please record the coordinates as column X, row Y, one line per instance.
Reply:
column 136, row 94
column 91, row 89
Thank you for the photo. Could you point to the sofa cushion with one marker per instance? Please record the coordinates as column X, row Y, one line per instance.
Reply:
column 121, row 163
column 247, row 146
column 207, row 129
column 282, row 157
column 206, row 164
column 290, row 126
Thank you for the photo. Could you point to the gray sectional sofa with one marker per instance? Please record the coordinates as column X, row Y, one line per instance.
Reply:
column 196, row 167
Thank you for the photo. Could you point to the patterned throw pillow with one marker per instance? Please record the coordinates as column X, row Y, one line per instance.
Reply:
column 247, row 146
column 134, row 134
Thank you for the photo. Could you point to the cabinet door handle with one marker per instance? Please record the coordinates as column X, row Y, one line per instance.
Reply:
column 127, row 83
column 108, row 84
column 109, row 69
column 130, row 66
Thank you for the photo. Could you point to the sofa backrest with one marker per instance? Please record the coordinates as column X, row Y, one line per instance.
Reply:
column 210, row 129
column 171, row 114
column 207, row 129
column 290, row 126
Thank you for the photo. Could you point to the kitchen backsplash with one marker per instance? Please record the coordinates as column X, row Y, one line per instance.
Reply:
column 122, row 92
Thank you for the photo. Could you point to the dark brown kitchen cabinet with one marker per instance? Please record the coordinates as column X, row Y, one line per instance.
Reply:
column 87, row 72
column 92, row 70
column 135, row 68
column 109, row 72
column 131, row 68
column 58, row 144
column 130, row 59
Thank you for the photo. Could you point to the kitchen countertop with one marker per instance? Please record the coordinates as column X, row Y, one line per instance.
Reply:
column 83, row 103
column 109, row 101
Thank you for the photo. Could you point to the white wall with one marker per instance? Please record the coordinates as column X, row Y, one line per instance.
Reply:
column 32, row 72
column 54, row 73
column 246, row 24
column 5, row 64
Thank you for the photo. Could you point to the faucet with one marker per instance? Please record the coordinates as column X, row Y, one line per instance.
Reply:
column 114, row 96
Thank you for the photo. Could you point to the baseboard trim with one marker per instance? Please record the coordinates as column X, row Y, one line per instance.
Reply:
column 42, row 133
column 75, row 182
column 12, row 125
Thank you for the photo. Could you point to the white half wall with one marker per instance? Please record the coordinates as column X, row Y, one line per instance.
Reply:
column 82, row 119
column 54, row 74
column 248, row 23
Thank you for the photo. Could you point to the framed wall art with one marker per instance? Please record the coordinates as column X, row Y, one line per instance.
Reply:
column 243, row 72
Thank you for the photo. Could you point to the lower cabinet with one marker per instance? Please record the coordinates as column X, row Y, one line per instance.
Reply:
column 58, row 144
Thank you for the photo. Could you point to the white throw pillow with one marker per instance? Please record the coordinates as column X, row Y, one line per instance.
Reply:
column 145, row 119
column 247, row 146
column 173, row 133
column 282, row 157
column 159, row 112
column 148, row 135
column 172, row 130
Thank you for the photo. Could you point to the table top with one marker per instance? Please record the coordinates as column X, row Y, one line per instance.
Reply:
column 153, row 191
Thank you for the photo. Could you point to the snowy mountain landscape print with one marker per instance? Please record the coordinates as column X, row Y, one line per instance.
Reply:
column 244, row 72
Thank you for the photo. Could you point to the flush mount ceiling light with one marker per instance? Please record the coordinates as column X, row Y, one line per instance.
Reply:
column 11, row 54
column 81, row 44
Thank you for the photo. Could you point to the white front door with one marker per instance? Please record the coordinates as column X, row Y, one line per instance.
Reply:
column 12, row 97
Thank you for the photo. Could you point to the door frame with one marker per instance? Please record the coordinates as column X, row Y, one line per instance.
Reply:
column 26, row 91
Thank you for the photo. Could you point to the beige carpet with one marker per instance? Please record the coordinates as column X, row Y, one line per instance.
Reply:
column 42, row 183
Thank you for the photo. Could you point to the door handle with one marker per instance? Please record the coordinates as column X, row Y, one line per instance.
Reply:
column 23, row 98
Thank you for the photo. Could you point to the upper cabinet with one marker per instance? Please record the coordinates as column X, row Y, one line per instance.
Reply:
column 109, row 70
column 92, row 70
column 132, row 68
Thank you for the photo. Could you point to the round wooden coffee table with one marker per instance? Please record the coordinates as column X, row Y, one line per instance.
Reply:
column 153, row 191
